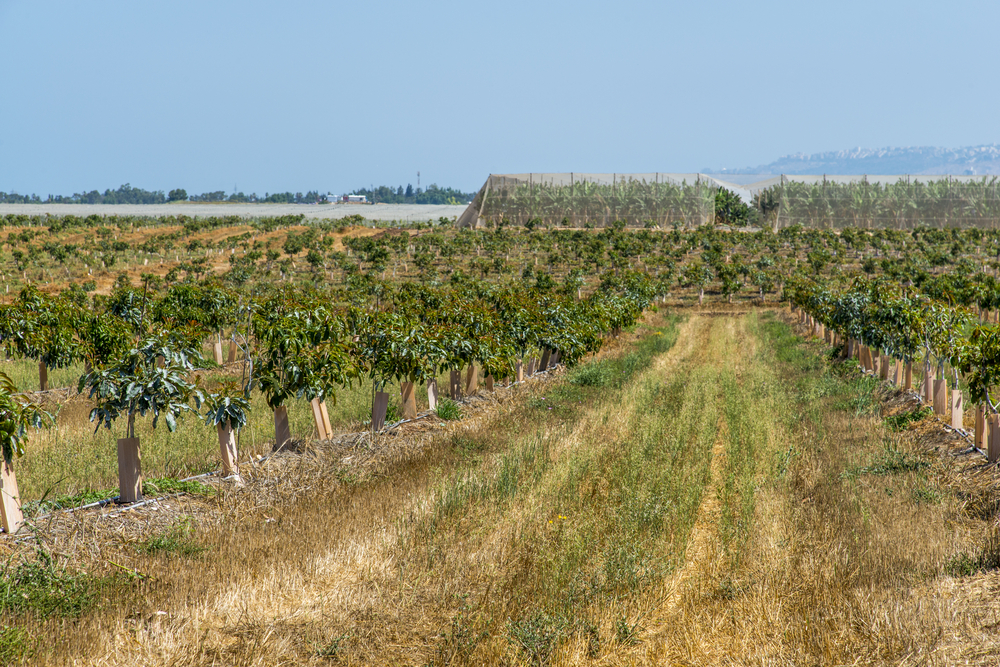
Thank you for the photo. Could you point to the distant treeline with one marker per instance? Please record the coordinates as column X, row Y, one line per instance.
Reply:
column 385, row 194
column 126, row 194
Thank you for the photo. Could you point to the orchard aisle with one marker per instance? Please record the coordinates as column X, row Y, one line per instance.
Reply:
column 493, row 525
column 825, row 538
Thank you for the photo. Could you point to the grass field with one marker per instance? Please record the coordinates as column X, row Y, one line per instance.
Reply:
column 711, row 491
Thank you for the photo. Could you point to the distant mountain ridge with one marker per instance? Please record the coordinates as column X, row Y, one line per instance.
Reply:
column 971, row 160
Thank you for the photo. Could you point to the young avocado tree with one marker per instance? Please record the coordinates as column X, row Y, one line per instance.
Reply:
column 306, row 354
column 522, row 324
column 42, row 328
column 410, row 355
column 102, row 338
column 208, row 307
column 226, row 409
column 698, row 276
column 979, row 359
column 457, row 350
column 17, row 415
column 151, row 378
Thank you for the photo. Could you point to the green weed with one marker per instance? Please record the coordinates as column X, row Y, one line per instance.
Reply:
column 538, row 636
column 461, row 638
column 902, row 420
column 627, row 633
column 926, row 495
column 177, row 540
column 15, row 645
column 986, row 557
column 889, row 461
column 41, row 588
column 448, row 409
column 332, row 648
column 157, row 486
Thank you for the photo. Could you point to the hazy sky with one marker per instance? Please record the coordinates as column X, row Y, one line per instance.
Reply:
column 302, row 95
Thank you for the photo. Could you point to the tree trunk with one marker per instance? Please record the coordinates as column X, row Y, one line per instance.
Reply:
column 326, row 419
column 43, row 376
column 129, row 470
column 227, row 450
column 957, row 409
column 471, row 380
column 455, row 382
column 993, row 450
column 432, row 393
column 546, row 355
column 379, row 408
column 317, row 413
column 10, row 499
column 282, row 432
column 941, row 396
column 408, row 399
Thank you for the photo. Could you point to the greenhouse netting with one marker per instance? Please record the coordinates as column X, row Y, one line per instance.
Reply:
column 897, row 202
column 688, row 200
column 594, row 200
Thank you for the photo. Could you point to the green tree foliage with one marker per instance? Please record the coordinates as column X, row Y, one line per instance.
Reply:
column 730, row 210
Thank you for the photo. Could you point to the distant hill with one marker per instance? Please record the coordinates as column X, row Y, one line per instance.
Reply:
column 915, row 160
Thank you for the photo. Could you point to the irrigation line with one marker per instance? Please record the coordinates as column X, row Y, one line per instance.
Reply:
column 155, row 500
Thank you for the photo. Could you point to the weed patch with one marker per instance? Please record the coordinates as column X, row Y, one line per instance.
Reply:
column 986, row 557
column 42, row 589
column 448, row 409
column 15, row 645
column 537, row 636
column 177, row 540
column 151, row 488
column 889, row 461
column 901, row 421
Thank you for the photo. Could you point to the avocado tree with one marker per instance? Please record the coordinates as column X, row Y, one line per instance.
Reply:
column 102, row 338
column 696, row 275
column 40, row 327
column 522, row 324
column 151, row 378
column 17, row 415
column 227, row 410
column 305, row 353
column 979, row 359
column 392, row 347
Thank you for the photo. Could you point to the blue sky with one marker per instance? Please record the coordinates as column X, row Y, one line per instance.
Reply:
column 302, row 95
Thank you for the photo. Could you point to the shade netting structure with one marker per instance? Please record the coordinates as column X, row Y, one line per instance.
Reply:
column 893, row 202
column 594, row 200
column 580, row 200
